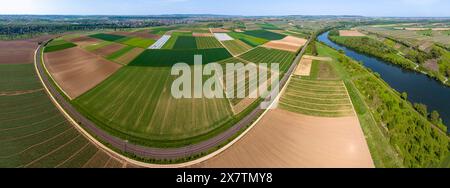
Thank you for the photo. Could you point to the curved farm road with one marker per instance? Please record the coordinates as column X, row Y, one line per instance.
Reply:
column 148, row 152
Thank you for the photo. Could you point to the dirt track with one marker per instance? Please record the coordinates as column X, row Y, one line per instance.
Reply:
column 77, row 71
column 286, row 139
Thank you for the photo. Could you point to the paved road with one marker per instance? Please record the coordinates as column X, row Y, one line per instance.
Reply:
column 149, row 152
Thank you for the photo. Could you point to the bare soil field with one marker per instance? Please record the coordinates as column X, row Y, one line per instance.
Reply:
column 289, row 43
column 85, row 41
column 283, row 139
column 77, row 71
column 351, row 33
column 17, row 52
column 304, row 68
column 202, row 35
column 109, row 49
column 130, row 56
column 432, row 64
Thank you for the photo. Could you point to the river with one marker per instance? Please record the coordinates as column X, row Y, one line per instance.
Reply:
column 420, row 88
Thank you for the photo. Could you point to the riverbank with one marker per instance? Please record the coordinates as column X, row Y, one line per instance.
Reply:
column 419, row 87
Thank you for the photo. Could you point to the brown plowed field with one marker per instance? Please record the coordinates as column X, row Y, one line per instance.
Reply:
column 20, row 51
column 109, row 49
column 304, row 67
column 85, row 41
column 219, row 30
column 130, row 56
column 77, row 71
column 288, row 140
column 289, row 43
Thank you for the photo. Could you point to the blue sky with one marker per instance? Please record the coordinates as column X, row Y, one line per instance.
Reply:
column 440, row 8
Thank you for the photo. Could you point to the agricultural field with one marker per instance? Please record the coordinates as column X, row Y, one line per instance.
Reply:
column 413, row 37
column 289, row 43
column 170, row 43
column 185, row 42
column 323, row 98
column 250, row 40
column 33, row 133
column 120, row 52
column 264, row 34
column 207, row 43
column 77, row 71
column 107, row 37
column 95, row 46
column 17, row 52
column 269, row 56
column 16, row 77
column 109, row 49
column 268, row 26
column 161, row 30
column 145, row 34
column 84, row 41
column 127, row 57
column 146, row 109
column 236, row 47
column 59, row 44
column 138, row 42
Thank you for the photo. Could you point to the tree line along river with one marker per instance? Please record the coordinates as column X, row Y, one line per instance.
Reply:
column 420, row 88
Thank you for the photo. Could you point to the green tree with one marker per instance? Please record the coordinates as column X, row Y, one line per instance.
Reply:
column 448, row 72
column 421, row 108
column 314, row 48
column 405, row 96
column 435, row 117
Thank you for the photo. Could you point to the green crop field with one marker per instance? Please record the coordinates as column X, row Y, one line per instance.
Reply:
column 269, row 56
column 33, row 133
column 18, row 78
column 146, row 109
column 107, row 37
column 166, row 58
column 170, row 43
column 236, row 47
column 207, row 43
column 250, row 40
column 120, row 53
column 265, row 34
column 185, row 42
column 138, row 42
column 57, row 45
